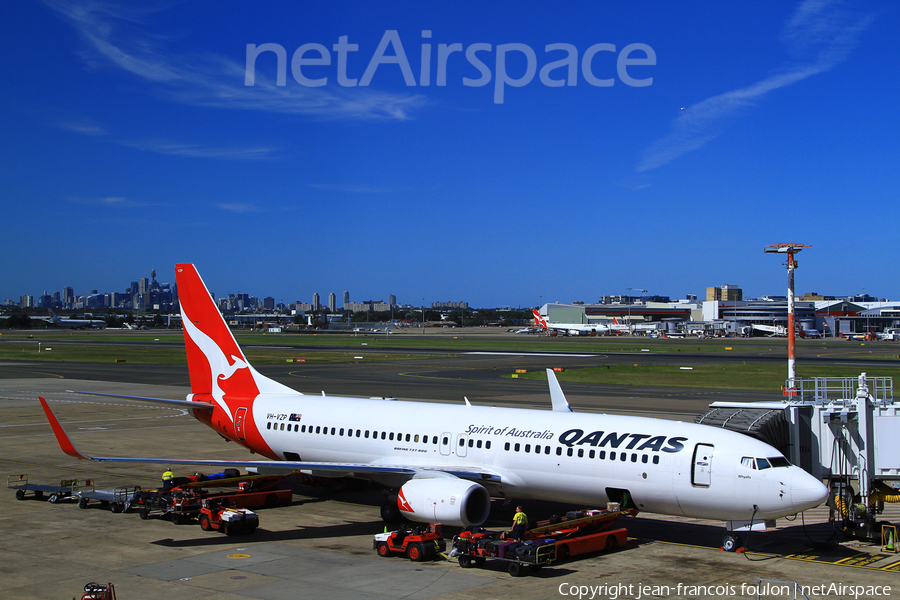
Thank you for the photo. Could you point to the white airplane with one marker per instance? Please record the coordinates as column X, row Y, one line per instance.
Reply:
column 76, row 323
column 445, row 462
column 570, row 328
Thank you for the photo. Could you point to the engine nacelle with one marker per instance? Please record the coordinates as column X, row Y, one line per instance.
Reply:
column 446, row 500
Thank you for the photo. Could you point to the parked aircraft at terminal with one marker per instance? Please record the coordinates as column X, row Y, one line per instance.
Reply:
column 443, row 462
column 570, row 328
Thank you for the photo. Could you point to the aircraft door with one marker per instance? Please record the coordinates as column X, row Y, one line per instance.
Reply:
column 702, row 466
column 461, row 440
column 445, row 443
column 239, row 417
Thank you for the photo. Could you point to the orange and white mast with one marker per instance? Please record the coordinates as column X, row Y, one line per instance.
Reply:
column 790, row 250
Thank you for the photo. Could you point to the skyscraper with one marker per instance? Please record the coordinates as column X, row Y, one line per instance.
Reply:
column 332, row 302
column 346, row 298
column 315, row 302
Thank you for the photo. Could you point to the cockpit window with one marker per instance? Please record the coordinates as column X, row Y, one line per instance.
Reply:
column 748, row 462
column 762, row 463
column 779, row 461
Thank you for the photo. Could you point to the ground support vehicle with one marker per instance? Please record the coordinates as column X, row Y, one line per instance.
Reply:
column 421, row 543
column 581, row 532
column 98, row 591
column 119, row 500
column 179, row 505
column 476, row 545
column 230, row 520
column 65, row 489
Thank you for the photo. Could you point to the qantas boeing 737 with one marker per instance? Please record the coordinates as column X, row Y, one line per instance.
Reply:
column 445, row 462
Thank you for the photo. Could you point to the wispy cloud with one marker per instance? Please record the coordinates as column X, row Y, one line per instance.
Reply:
column 352, row 188
column 197, row 150
column 237, row 207
column 818, row 36
column 83, row 128
column 107, row 201
column 113, row 36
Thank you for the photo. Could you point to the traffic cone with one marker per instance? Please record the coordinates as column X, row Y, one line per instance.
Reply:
column 890, row 541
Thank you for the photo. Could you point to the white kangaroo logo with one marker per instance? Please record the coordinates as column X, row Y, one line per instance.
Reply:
column 219, row 366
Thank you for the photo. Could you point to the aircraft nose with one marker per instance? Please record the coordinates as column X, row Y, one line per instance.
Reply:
column 806, row 491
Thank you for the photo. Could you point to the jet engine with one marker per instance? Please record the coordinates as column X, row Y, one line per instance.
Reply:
column 446, row 500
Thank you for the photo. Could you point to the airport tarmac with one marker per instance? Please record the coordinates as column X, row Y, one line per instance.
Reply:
column 321, row 545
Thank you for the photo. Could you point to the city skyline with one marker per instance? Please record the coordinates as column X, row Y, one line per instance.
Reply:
column 230, row 300
column 487, row 152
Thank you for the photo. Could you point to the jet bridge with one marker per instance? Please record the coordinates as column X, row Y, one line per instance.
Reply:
column 843, row 430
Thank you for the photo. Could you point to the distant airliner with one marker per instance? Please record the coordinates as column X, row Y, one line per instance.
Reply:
column 443, row 462
column 77, row 323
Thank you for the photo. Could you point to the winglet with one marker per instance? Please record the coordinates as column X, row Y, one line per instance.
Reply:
column 560, row 404
column 61, row 436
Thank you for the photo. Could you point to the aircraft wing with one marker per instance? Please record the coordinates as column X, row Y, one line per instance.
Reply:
column 338, row 469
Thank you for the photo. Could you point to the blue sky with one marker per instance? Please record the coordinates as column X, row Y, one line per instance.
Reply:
column 131, row 141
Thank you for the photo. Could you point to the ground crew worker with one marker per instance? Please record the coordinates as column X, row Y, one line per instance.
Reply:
column 520, row 523
column 167, row 479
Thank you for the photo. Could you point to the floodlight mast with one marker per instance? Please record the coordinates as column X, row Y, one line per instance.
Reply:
column 790, row 250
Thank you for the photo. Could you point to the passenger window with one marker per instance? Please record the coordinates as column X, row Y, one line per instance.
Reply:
column 537, row 449
column 446, row 441
column 546, row 449
column 416, row 438
column 655, row 459
column 559, row 451
column 358, row 432
column 506, row 446
column 318, row 429
column 269, row 425
column 383, row 435
column 303, row 429
column 591, row 454
column 434, row 440
column 602, row 454
column 644, row 458
column 391, row 437
column 342, row 431
column 407, row 437
column 487, row 444
column 282, row 426
column 462, row 442
column 374, row 435
column 296, row 428
column 623, row 456
column 634, row 458
column 478, row 445
column 332, row 431
column 367, row 433
column 516, row 447
column 581, row 453
column 527, row 447
column 569, row 452
column 471, row 442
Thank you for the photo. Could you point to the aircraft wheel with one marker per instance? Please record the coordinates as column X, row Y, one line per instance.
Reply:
column 515, row 569
column 390, row 513
column 465, row 562
column 731, row 542
column 20, row 494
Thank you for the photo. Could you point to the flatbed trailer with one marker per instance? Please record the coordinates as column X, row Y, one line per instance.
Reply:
column 64, row 489
column 475, row 548
column 583, row 532
column 119, row 500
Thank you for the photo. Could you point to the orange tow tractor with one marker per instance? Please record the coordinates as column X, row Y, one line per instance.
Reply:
column 422, row 543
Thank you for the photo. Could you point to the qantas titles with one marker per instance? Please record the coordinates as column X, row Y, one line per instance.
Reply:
column 601, row 439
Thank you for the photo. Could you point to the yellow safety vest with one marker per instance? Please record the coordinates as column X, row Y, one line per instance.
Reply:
column 168, row 475
column 520, row 518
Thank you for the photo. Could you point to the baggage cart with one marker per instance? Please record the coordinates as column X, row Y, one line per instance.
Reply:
column 63, row 490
